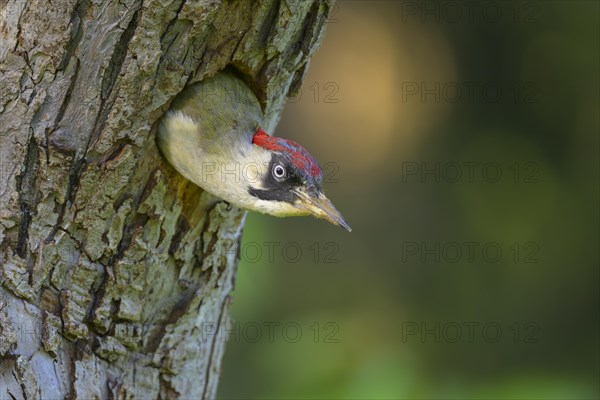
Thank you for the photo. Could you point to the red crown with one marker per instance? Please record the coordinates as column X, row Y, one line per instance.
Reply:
column 298, row 155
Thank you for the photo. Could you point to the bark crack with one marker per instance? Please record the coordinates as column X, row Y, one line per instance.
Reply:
column 76, row 33
column 14, row 374
column 226, row 302
column 269, row 23
column 27, row 188
column 111, row 74
column 74, row 178
column 67, row 99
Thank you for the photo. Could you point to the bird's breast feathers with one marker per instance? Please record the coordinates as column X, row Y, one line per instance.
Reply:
column 226, row 172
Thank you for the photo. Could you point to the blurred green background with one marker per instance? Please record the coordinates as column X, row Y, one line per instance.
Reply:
column 449, row 132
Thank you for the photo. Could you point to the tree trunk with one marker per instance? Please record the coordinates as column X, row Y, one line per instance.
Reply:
column 115, row 270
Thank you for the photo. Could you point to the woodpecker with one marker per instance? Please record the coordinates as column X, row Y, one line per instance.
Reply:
column 211, row 135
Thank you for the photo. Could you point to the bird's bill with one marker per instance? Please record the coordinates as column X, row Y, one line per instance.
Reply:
column 321, row 207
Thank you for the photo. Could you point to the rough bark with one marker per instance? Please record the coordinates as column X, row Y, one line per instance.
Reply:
column 112, row 264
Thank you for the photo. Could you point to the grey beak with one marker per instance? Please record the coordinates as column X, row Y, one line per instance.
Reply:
column 321, row 207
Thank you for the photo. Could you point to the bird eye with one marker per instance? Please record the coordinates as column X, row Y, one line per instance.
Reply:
column 279, row 172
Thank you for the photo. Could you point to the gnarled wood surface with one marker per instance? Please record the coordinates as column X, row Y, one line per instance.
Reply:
column 112, row 264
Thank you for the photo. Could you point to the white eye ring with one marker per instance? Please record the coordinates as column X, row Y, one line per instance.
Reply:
column 278, row 171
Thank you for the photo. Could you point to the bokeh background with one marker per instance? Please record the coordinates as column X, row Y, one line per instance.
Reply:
column 461, row 141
